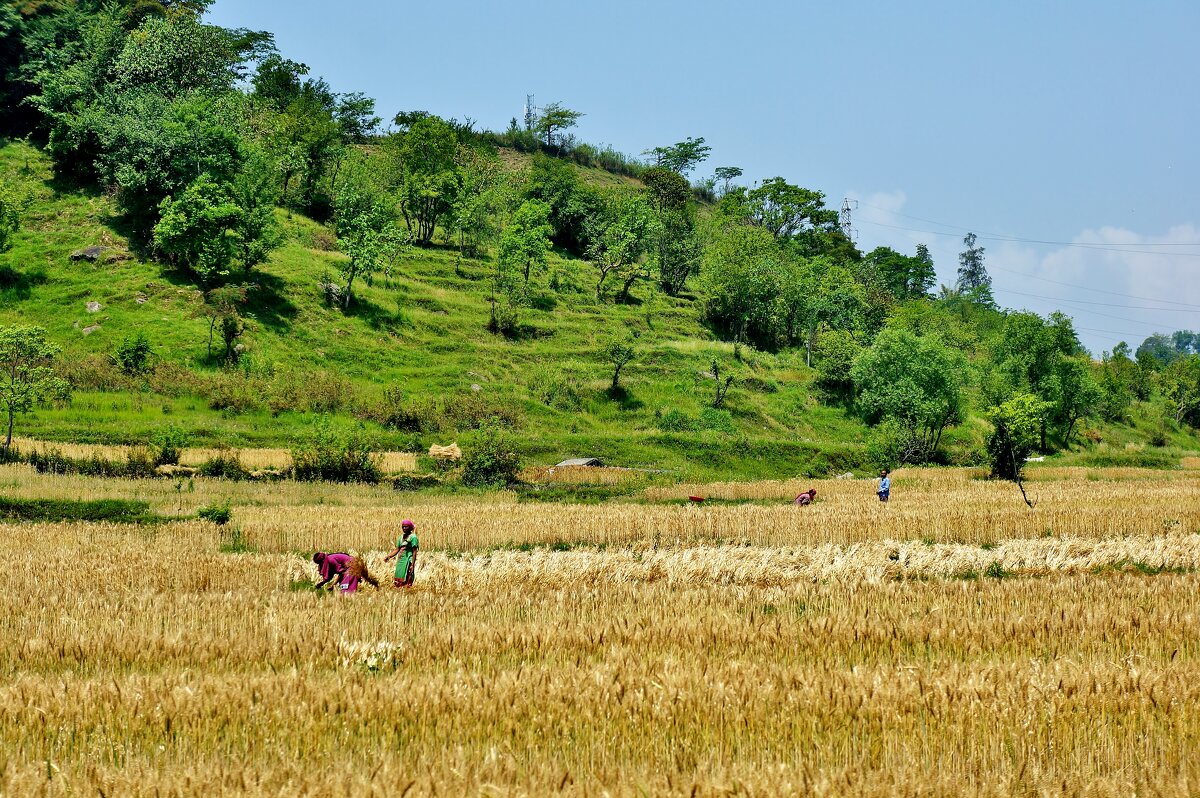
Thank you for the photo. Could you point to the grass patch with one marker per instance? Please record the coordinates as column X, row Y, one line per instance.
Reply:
column 997, row 571
column 234, row 541
column 1139, row 567
column 113, row 511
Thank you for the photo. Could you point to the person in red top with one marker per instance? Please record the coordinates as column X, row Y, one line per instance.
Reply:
column 348, row 571
column 806, row 497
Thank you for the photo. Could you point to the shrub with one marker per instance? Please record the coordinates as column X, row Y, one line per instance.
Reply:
column 556, row 388
column 140, row 464
column 132, row 355
column 94, row 373
column 490, row 457
column 167, row 444
column 717, row 420
column 232, row 392
column 116, row 511
column 334, row 456
column 675, row 421
column 326, row 392
column 219, row 514
column 406, row 482
column 224, row 465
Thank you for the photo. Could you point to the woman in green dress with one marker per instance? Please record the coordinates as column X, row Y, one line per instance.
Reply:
column 406, row 549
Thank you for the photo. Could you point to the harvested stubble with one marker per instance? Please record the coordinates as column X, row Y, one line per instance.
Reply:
column 935, row 506
column 251, row 459
column 580, row 475
column 188, row 672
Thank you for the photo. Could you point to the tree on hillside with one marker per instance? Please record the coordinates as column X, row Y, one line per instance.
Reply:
column 619, row 237
column 255, row 232
column 1075, row 394
column 10, row 217
column 195, row 229
column 904, row 277
column 973, row 280
column 1015, row 426
column 681, row 157
column 425, row 174
column 619, row 352
column 26, row 376
column 485, row 195
column 555, row 117
column 220, row 304
column 784, row 209
column 727, row 174
column 1180, row 383
column 917, row 382
column 676, row 247
column 366, row 232
column 525, row 243
column 742, row 280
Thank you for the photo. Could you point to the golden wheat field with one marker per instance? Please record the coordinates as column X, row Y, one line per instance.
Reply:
column 953, row 642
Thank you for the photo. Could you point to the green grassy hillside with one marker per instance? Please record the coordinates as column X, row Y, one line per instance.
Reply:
column 421, row 330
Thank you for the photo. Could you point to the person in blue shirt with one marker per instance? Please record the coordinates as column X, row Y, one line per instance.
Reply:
column 885, row 486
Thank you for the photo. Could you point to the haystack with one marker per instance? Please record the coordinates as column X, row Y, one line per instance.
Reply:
column 451, row 452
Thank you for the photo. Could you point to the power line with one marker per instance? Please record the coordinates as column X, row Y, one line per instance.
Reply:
column 1151, row 325
column 1106, row 304
column 1094, row 290
column 1093, row 247
column 1002, row 237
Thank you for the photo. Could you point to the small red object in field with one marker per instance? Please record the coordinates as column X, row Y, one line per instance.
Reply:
column 696, row 499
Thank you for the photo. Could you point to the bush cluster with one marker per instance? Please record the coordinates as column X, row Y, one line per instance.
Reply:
column 332, row 455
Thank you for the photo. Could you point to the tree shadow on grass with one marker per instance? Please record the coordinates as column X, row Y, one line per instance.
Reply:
column 267, row 302
column 19, row 284
column 376, row 316
column 624, row 399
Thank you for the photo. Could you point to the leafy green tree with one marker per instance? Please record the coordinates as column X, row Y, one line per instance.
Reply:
column 619, row 237
column 904, row 277
column 1180, row 385
column 218, row 304
column 485, row 195
column 26, row 374
column 1016, row 425
column 1157, row 351
column 832, row 300
column 10, row 217
column 973, row 280
column 367, row 234
column 834, row 358
column 727, row 174
column 1075, row 394
column 784, row 209
column 525, row 243
column 255, row 232
column 196, row 230
column 676, row 247
column 426, row 175
column 681, row 157
column 555, row 117
column 916, row 381
column 742, row 280
column 490, row 457
column 619, row 352
column 572, row 203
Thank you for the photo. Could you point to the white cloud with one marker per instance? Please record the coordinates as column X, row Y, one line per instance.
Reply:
column 1125, row 270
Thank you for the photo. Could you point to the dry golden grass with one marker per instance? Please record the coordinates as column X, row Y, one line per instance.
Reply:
column 252, row 459
column 580, row 475
column 831, row 650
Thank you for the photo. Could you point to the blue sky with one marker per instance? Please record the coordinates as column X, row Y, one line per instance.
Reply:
column 1064, row 134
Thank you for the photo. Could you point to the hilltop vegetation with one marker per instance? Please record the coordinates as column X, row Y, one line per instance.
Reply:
column 269, row 255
